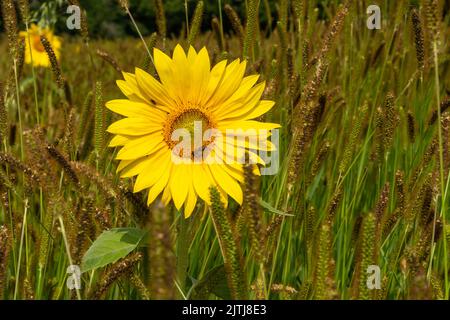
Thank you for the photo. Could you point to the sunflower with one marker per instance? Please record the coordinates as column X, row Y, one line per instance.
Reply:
column 37, row 54
column 190, row 96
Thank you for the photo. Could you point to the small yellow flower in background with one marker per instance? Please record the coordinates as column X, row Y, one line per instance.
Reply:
column 37, row 54
column 189, row 95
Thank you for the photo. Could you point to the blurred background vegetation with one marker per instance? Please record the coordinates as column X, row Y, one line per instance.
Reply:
column 106, row 19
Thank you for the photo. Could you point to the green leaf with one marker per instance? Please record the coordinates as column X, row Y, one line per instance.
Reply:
column 111, row 246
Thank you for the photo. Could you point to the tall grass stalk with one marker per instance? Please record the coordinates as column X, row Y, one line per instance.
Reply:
column 441, row 166
column 67, row 246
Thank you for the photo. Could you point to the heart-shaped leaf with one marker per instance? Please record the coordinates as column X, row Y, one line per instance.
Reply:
column 111, row 246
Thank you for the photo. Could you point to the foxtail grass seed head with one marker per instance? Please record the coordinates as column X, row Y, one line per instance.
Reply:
column 411, row 126
column 4, row 255
column 196, row 22
column 320, row 158
column 253, row 212
column 69, row 134
column 446, row 141
column 10, row 24
column 99, row 118
column 298, row 8
column 310, row 223
column 305, row 290
column 357, row 124
column 160, row 18
column 283, row 13
column 389, row 115
column 334, row 204
column 53, row 61
column 385, row 122
column 250, row 28
column 3, row 114
column 83, row 22
column 109, row 59
column 418, row 38
column 334, row 30
column 292, row 74
column 215, row 25
column 124, row 5
column 382, row 203
column 400, row 189
column 236, row 23
column 230, row 250
column 85, row 114
column 432, row 19
column 367, row 253
column 63, row 162
column 24, row 9
column 323, row 269
column 425, row 210
column 122, row 268
column 444, row 106
column 53, row 206
column 437, row 286
column 140, row 286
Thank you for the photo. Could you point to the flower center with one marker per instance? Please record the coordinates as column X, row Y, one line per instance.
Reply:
column 185, row 133
column 37, row 45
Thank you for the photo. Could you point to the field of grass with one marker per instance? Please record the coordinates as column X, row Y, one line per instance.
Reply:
column 364, row 153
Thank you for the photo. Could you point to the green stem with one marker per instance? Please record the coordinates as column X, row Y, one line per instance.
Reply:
column 441, row 166
column 140, row 35
column 22, row 235
column 34, row 76
column 18, row 108
column 182, row 252
column 66, row 243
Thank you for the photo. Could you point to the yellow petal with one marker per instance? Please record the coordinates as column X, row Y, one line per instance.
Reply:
column 263, row 107
column 153, row 90
column 158, row 187
column 181, row 176
column 215, row 78
column 235, row 171
column 239, row 107
column 123, row 164
column 226, row 182
column 119, row 140
column 135, row 167
column 142, row 146
column 182, row 75
column 241, row 93
column 229, row 84
column 202, row 180
column 191, row 201
column 165, row 68
column 200, row 71
column 130, row 89
column 153, row 169
column 192, row 55
column 134, row 127
column 247, row 125
column 166, row 195
column 136, row 109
